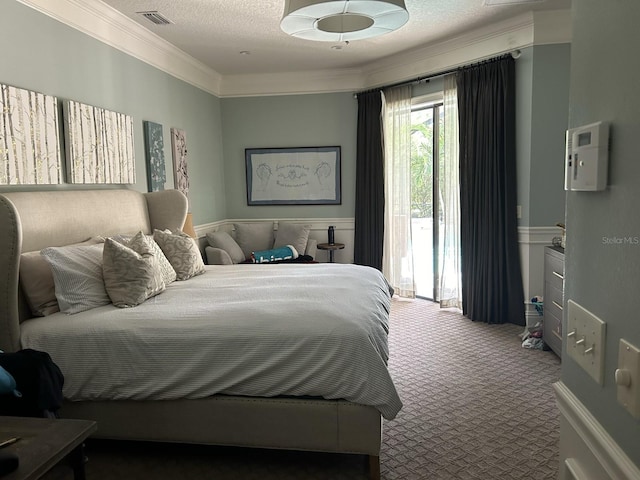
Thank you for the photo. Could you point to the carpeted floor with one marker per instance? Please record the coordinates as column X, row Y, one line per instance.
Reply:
column 476, row 406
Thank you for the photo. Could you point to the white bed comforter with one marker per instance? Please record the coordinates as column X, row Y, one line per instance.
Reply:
column 256, row 330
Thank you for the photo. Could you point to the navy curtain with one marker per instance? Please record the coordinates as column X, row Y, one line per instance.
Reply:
column 491, row 274
column 369, row 214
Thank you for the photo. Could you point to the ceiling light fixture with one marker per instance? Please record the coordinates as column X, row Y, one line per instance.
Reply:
column 340, row 21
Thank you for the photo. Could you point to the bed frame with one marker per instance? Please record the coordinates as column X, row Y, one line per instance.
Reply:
column 31, row 221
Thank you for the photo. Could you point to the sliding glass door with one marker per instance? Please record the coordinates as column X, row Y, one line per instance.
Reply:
column 427, row 156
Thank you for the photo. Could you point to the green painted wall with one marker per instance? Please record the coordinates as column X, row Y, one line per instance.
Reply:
column 288, row 121
column 46, row 56
column 524, row 107
column 542, row 109
column 602, row 275
column 549, row 120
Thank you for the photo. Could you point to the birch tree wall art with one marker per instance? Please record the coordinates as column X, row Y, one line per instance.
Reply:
column 99, row 145
column 29, row 138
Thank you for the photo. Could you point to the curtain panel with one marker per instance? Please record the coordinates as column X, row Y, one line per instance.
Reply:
column 450, row 279
column 397, row 258
column 369, row 214
column 492, row 288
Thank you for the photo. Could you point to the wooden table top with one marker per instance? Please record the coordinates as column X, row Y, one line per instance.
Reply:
column 42, row 443
column 330, row 246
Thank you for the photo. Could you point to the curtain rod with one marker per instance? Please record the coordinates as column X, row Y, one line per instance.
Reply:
column 515, row 54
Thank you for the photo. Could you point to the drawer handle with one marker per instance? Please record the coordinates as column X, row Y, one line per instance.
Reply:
column 557, row 304
column 561, row 277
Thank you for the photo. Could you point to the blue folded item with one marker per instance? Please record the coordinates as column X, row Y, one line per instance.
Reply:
column 275, row 255
column 8, row 383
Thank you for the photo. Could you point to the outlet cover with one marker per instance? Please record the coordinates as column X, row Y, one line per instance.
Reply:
column 628, row 377
column 585, row 340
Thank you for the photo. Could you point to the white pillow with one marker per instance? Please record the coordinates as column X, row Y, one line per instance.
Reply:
column 77, row 275
column 182, row 252
column 292, row 234
column 252, row 237
column 132, row 272
column 37, row 284
column 226, row 242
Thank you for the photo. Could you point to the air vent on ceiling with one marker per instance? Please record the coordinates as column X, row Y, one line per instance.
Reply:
column 155, row 17
column 491, row 3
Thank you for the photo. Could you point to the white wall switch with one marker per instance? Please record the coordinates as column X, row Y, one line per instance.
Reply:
column 628, row 377
column 585, row 340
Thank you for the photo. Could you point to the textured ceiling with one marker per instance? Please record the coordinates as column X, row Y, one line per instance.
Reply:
column 216, row 31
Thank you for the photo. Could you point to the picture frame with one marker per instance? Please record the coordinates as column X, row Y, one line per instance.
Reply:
column 293, row 176
column 179, row 153
column 154, row 153
column 99, row 145
column 30, row 151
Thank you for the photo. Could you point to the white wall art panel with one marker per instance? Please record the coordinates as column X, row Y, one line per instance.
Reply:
column 99, row 145
column 29, row 138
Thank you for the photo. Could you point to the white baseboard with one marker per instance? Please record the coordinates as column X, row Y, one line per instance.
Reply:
column 587, row 451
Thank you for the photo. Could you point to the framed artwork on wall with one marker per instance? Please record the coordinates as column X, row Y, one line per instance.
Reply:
column 154, row 151
column 99, row 145
column 179, row 151
column 29, row 138
column 293, row 176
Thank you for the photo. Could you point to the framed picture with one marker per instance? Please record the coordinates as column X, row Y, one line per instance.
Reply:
column 29, row 138
column 99, row 145
column 179, row 151
column 293, row 176
column 154, row 152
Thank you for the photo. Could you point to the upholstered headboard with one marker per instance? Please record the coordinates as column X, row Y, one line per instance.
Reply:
column 31, row 221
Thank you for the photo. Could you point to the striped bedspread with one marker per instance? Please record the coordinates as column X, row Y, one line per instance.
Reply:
column 256, row 330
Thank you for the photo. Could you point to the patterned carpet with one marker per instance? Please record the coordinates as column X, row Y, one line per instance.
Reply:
column 476, row 406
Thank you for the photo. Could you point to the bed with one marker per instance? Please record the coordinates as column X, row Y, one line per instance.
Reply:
column 270, row 356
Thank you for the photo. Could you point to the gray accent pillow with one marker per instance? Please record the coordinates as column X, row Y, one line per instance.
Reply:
column 182, row 252
column 292, row 234
column 132, row 272
column 252, row 237
column 77, row 275
column 226, row 242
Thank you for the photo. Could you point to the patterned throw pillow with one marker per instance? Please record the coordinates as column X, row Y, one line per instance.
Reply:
column 131, row 272
column 168, row 273
column 182, row 252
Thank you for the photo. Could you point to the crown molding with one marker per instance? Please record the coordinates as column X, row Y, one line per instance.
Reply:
column 479, row 44
column 292, row 83
column 102, row 22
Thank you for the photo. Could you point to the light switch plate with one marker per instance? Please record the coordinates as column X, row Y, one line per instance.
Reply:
column 585, row 340
column 629, row 361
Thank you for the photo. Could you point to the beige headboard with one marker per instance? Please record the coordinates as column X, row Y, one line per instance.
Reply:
column 34, row 220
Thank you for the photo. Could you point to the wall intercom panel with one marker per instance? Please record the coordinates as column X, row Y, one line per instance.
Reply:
column 587, row 157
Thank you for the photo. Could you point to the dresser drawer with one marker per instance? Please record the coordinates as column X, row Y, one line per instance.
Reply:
column 552, row 332
column 553, row 300
column 554, row 272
